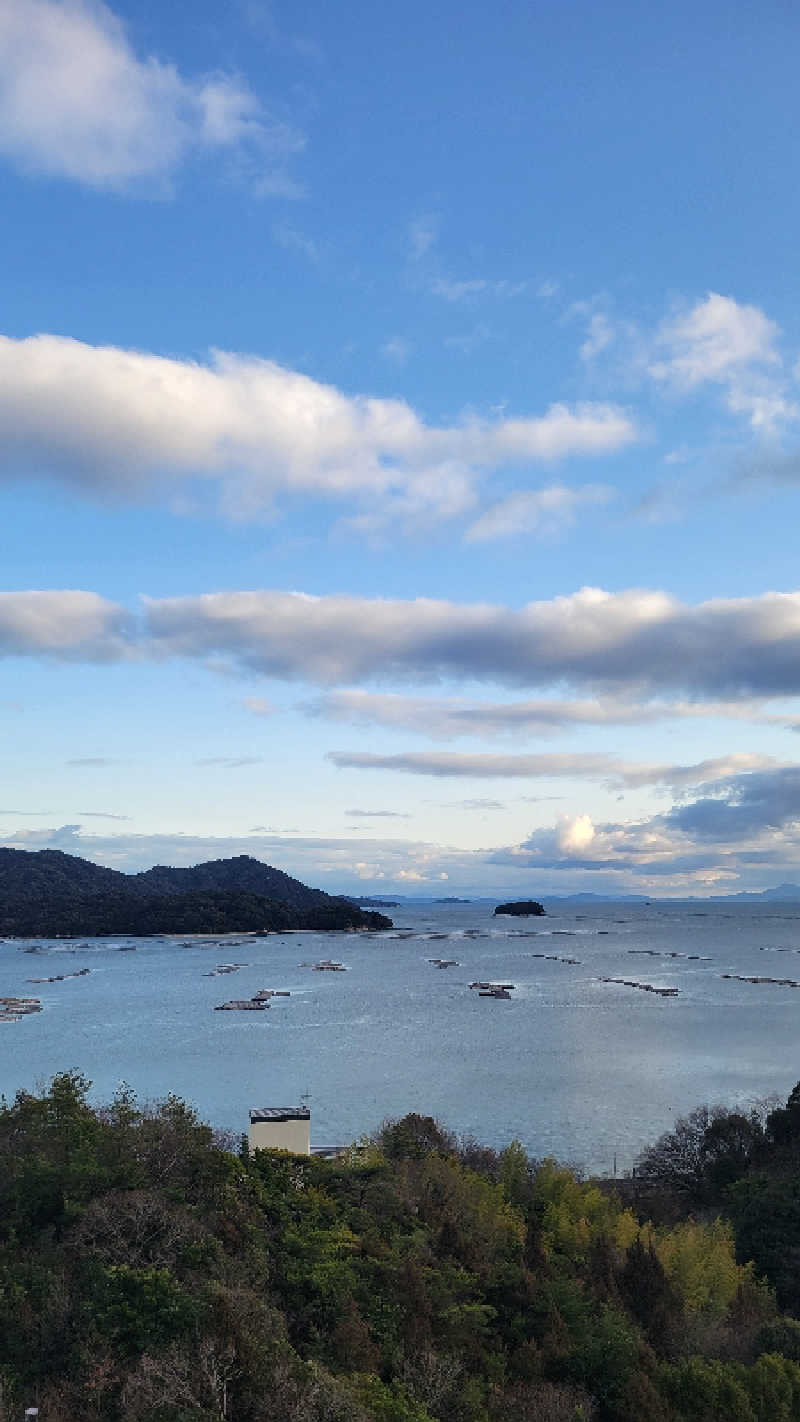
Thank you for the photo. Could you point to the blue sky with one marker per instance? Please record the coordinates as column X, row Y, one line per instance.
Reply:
column 400, row 454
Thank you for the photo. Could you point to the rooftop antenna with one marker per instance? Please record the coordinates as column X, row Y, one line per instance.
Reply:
column 305, row 1097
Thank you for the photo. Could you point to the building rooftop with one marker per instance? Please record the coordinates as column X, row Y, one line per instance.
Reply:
column 280, row 1113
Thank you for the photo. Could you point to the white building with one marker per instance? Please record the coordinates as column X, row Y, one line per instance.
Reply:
column 281, row 1128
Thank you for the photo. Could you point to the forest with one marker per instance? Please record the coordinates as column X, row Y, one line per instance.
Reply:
column 152, row 1269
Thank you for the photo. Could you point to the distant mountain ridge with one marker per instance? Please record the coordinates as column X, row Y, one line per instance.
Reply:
column 47, row 893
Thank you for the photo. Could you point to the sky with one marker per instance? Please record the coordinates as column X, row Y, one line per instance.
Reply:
column 400, row 441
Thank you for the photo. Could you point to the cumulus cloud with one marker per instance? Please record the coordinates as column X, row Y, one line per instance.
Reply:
column 575, row 835
column 642, row 642
column 743, row 805
column 633, row 644
column 749, row 822
column 733, row 345
column 77, row 102
column 69, row 625
column 117, row 423
column 716, row 337
column 682, row 777
column 535, row 511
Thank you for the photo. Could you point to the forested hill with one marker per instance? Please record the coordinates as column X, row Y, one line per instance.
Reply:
column 47, row 893
column 149, row 1272
column 242, row 873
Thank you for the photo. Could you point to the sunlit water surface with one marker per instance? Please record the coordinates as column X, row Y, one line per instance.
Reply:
column 571, row 1066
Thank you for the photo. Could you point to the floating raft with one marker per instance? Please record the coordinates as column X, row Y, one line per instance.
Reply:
column 555, row 958
column 778, row 982
column 245, row 1004
column 664, row 953
column 644, row 987
column 12, row 1008
column 491, row 987
column 61, row 977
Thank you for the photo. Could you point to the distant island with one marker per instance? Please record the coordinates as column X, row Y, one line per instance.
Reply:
column 521, row 908
column 367, row 901
column 48, row 894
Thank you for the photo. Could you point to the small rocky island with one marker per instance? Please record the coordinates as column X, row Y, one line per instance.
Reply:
column 48, row 894
column 521, row 908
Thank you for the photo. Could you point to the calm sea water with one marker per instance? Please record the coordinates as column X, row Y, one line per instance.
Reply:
column 570, row 1066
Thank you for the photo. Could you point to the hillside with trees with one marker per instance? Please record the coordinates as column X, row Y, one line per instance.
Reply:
column 47, row 894
column 150, row 1271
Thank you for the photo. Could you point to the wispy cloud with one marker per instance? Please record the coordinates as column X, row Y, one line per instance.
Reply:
column 258, row 705
column 295, row 241
column 230, row 762
column 447, row 718
column 588, row 765
column 101, row 815
column 600, row 335
column 423, row 232
column 454, row 290
column 542, row 511
column 77, row 102
column 93, row 761
column 377, row 815
column 397, row 349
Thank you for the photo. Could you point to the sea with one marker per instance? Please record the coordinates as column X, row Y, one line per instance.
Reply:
column 571, row 1065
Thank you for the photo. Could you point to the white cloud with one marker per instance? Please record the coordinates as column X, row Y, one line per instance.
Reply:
column 377, row 814
column 76, row 102
column 588, row 765
column 294, row 241
column 535, row 511
column 72, row 626
column 636, row 644
column 599, row 336
column 457, row 290
column 422, row 235
column 447, row 718
column 642, row 642
column 717, row 336
column 448, row 764
column 733, row 345
column 116, row 422
column 575, row 835
column 397, row 349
